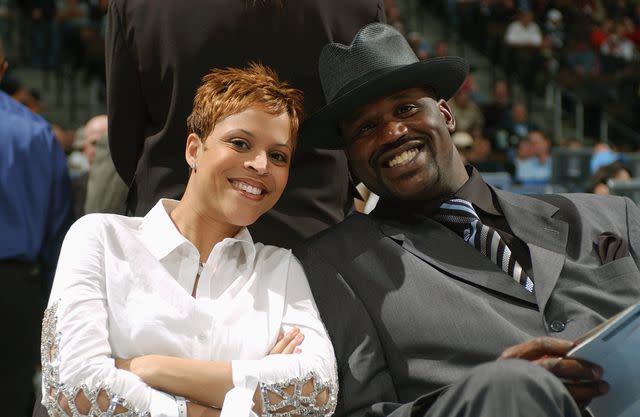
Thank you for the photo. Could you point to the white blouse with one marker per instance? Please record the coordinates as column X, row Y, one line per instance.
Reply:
column 123, row 289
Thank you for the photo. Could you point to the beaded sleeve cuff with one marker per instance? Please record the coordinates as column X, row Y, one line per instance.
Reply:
column 76, row 401
column 295, row 400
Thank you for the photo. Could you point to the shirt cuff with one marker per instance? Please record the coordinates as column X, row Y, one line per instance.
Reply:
column 163, row 405
column 239, row 399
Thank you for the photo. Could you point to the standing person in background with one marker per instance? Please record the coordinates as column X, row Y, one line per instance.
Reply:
column 535, row 168
column 106, row 192
column 35, row 210
column 157, row 52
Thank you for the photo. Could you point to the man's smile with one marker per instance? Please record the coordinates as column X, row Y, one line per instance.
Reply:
column 401, row 153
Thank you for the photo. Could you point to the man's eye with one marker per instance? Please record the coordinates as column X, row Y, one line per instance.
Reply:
column 279, row 157
column 406, row 108
column 239, row 144
column 364, row 129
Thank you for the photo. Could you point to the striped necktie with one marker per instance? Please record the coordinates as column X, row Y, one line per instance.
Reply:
column 458, row 215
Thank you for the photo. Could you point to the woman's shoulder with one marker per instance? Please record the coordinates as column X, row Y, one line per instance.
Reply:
column 97, row 223
column 270, row 252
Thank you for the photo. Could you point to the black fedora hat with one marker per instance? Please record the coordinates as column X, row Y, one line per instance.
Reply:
column 378, row 62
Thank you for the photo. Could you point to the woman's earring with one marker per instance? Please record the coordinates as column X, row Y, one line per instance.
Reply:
column 193, row 166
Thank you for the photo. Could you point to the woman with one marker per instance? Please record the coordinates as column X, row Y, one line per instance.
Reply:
column 187, row 281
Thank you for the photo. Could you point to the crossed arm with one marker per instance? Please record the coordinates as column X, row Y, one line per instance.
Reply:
column 205, row 383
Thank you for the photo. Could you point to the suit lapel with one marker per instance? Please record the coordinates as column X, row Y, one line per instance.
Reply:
column 531, row 220
column 443, row 249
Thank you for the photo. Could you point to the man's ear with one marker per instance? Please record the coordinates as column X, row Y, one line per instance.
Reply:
column 447, row 113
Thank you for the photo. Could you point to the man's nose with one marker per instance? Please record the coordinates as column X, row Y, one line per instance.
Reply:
column 393, row 130
column 258, row 163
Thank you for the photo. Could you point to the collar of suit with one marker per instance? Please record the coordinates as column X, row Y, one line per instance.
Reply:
column 530, row 219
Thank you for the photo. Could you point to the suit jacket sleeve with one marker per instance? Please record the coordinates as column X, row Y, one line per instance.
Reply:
column 125, row 100
column 633, row 229
column 366, row 386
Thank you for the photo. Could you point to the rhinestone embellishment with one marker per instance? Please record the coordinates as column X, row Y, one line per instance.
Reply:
column 295, row 403
column 62, row 400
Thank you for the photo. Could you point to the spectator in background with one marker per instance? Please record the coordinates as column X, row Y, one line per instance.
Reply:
column 419, row 45
column 496, row 114
column 617, row 9
column 523, row 39
column 533, row 165
column 618, row 46
column 554, row 41
column 94, row 129
column 554, row 28
column 481, row 154
column 524, row 31
column 615, row 171
column 600, row 33
column 632, row 31
column 44, row 40
column 106, row 192
column 582, row 60
column 593, row 9
column 519, row 125
column 82, row 163
column 441, row 48
column 603, row 155
column 34, row 215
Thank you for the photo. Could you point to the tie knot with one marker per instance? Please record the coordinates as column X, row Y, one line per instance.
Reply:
column 456, row 210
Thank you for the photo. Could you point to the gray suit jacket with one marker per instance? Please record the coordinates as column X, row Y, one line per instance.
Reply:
column 411, row 307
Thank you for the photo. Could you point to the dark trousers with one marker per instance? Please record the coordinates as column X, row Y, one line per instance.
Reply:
column 21, row 307
column 513, row 388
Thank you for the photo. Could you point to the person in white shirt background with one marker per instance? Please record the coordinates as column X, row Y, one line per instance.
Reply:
column 147, row 311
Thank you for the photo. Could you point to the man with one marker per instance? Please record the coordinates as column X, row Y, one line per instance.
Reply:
column 34, row 214
column 418, row 315
column 157, row 52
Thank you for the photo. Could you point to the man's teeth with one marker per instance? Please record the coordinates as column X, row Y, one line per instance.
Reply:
column 403, row 158
column 247, row 188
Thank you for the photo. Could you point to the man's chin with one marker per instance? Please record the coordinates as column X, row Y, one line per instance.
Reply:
column 409, row 190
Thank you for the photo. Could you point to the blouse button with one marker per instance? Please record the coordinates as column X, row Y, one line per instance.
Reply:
column 202, row 337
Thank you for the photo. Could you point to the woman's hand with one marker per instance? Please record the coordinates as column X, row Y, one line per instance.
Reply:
column 288, row 343
column 197, row 410
column 141, row 366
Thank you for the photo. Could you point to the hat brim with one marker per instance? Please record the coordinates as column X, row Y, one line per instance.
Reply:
column 443, row 75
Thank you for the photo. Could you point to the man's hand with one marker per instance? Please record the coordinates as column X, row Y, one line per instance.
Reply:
column 581, row 378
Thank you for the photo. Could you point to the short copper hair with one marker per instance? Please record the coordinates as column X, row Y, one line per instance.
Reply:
column 228, row 91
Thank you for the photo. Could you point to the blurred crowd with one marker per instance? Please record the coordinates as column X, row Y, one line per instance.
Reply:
column 587, row 47
column 58, row 37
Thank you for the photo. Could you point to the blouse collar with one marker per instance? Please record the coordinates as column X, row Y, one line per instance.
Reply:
column 161, row 236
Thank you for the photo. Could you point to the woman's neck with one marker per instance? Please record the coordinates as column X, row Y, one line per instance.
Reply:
column 200, row 229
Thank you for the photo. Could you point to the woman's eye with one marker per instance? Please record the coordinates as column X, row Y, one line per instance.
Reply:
column 279, row 157
column 239, row 144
